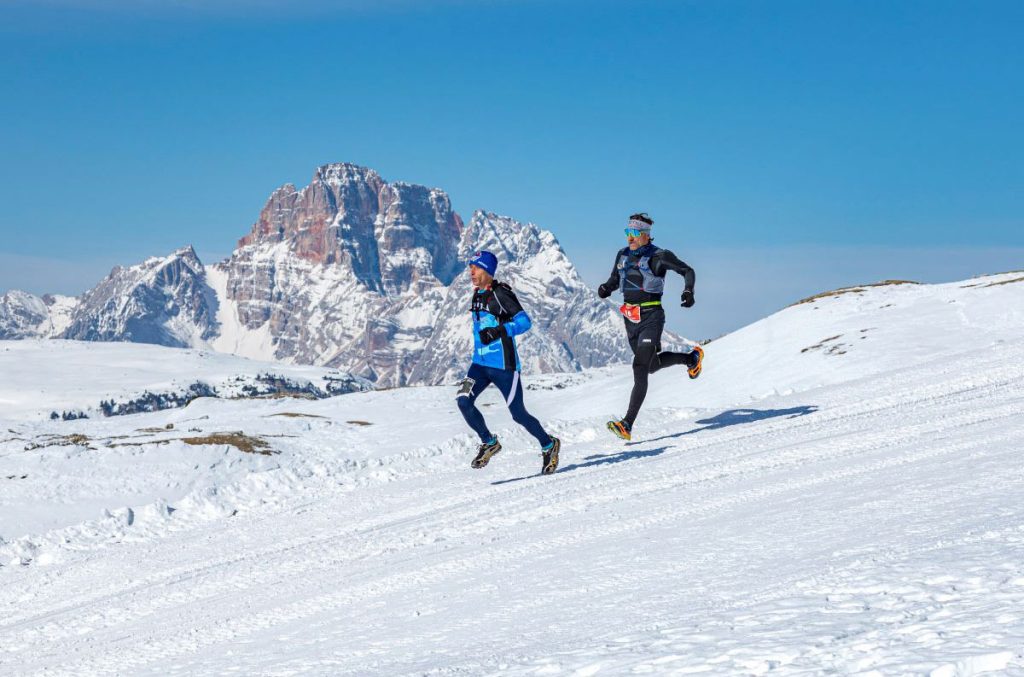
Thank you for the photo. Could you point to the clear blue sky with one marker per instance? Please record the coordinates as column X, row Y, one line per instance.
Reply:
column 782, row 147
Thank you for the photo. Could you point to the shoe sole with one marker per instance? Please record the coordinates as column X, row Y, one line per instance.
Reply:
column 618, row 432
column 483, row 461
column 695, row 372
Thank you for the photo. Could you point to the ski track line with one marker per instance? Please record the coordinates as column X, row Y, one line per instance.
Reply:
column 386, row 523
column 727, row 471
column 414, row 517
column 827, row 420
column 942, row 539
column 513, row 520
column 714, row 615
column 525, row 637
column 434, row 452
column 223, row 630
column 626, row 580
column 301, row 545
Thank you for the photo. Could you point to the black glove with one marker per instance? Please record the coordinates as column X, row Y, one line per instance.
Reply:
column 687, row 299
column 492, row 334
column 603, row 291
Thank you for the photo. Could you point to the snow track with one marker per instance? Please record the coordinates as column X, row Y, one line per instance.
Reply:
column 873, row 525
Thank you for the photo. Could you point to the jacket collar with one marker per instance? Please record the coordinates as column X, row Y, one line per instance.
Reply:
column 647, row 250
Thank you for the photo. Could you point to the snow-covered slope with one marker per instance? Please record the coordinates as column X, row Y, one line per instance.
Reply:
column 853, row 508
column 40, row 377
column 854, row 333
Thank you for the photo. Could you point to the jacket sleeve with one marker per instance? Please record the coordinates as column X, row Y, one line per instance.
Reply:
column 520, row 324
column 666, row 260
column 509, row 306
column 614, row 280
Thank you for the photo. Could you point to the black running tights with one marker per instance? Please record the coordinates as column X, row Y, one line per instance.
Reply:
column 646, row 361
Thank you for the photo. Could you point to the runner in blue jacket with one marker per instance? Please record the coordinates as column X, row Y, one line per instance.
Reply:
column 497, row 319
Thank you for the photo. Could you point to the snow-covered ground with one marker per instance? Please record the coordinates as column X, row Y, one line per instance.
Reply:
column 841, row 492
column 40, row 376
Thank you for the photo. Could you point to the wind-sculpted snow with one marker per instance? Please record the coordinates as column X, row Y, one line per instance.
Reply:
column 850, row 511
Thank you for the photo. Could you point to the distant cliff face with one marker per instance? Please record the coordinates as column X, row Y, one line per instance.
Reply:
column 367, row 276
column 388, row 235
column 350, row 272
column 24, row 315
column 165, row 301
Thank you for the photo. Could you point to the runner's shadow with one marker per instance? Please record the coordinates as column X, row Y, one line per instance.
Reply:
column 737, row 417
column 597, row 459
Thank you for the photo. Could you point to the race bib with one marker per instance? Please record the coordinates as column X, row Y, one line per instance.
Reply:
column 630, row 312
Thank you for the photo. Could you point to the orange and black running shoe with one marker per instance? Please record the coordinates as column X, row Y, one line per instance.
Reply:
column 620, row 428
column 695, row 370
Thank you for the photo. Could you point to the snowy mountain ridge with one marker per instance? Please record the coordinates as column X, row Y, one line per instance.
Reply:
column 349, row 272
column 24, row 315
column 164, row 300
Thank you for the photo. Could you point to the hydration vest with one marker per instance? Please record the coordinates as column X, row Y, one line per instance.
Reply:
column 652, row 284
column 482, row 301
column 488, row 311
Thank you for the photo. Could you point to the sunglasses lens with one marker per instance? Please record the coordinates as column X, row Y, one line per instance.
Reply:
column 632, row 232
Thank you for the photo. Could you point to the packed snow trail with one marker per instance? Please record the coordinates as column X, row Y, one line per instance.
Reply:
column 876, row 525
column 865, row 518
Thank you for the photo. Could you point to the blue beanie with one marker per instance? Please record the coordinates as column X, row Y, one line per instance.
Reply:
column 485, row 260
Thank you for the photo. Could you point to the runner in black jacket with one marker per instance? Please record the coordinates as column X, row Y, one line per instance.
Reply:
column 639, row 272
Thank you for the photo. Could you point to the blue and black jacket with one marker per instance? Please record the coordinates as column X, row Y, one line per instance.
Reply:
column 498, row 307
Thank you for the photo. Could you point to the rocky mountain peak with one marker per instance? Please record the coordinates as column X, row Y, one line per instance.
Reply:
column 350, row 271
column 506, row 238
column 163, row 300
column 25, row 316
column 21, row 315
column 366, row 275
column 342, row 173
column 390, row 236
